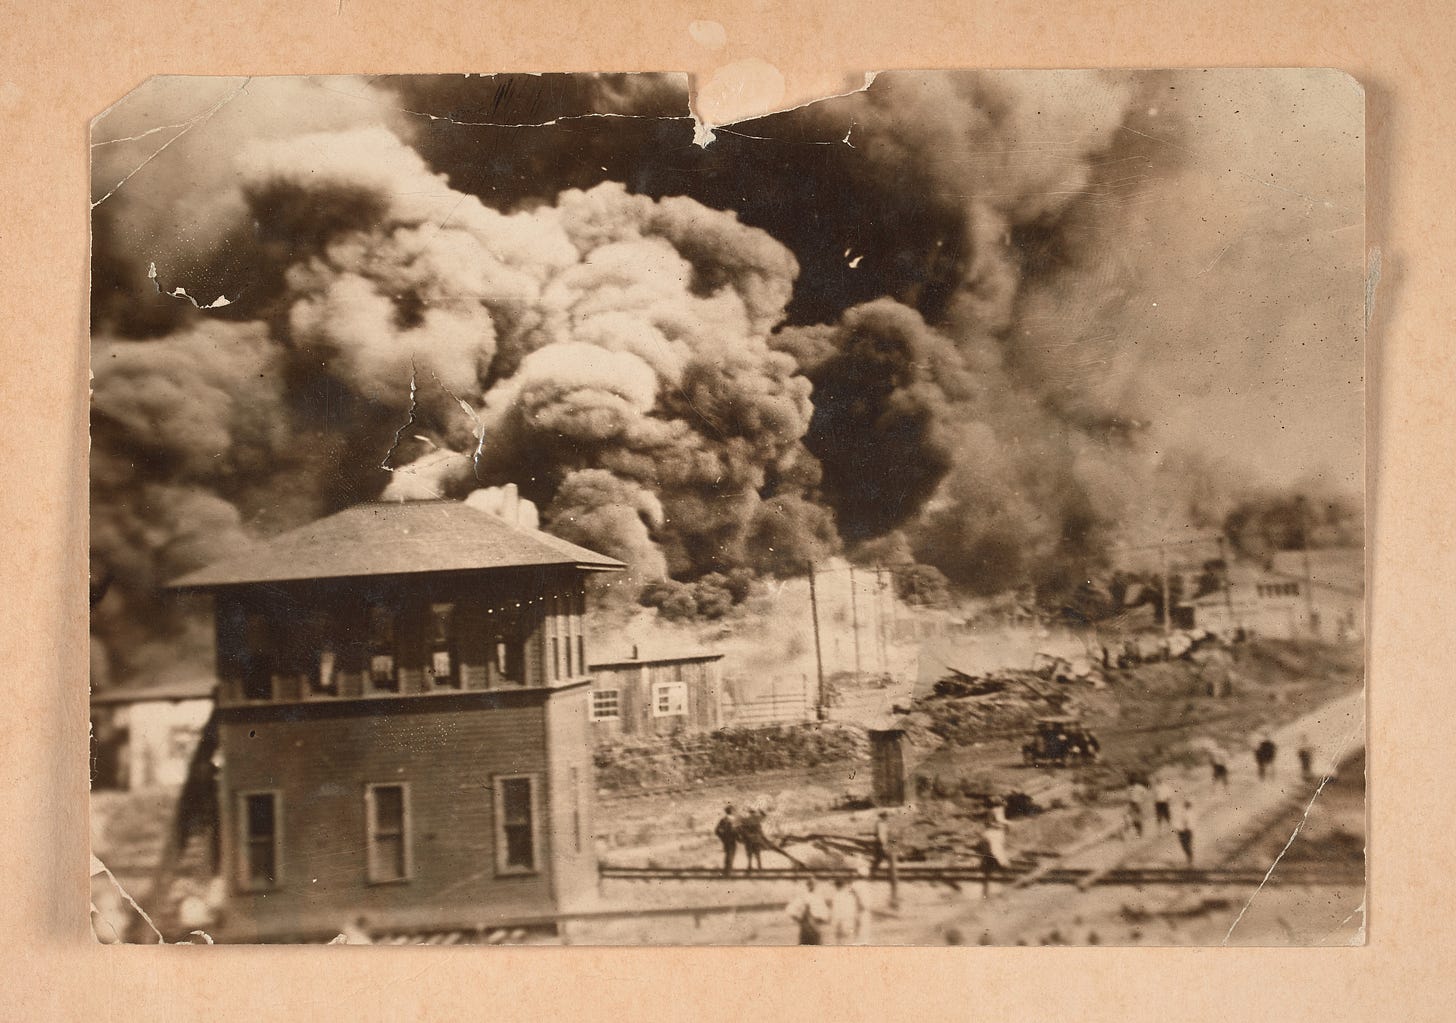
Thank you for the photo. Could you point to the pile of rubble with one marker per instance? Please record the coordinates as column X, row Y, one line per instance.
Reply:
column 966, row 709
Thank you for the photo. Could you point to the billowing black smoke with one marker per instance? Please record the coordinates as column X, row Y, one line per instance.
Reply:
column 891, row 322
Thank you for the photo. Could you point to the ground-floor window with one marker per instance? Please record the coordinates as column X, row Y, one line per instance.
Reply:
column 260, row 832
column 515, row 824
column 387, row 813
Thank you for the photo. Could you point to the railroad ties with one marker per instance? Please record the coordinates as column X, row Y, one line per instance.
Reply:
column 1285, row 876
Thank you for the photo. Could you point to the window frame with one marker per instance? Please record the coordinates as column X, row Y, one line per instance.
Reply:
column 616, row 693
column 259, row 659
column 372, row 833
column 449, row 646
column 314, row 687
column 502, row 850
column 659, row 688
column 377, row 646
column 243, row 866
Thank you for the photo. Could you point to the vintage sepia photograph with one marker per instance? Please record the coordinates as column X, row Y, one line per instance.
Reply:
column 522, row 512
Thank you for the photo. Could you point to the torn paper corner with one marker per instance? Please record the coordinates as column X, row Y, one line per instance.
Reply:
column 741, row 91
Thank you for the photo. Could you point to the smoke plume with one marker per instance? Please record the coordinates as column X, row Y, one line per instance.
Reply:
column 941, row 318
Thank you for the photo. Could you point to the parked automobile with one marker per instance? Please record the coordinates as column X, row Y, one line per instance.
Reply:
column 1059, row 742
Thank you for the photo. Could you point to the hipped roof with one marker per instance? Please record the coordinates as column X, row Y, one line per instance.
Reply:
column 395, row 538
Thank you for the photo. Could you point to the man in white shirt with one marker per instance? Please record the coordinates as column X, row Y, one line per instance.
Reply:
column 849, row 913
column 810, row 912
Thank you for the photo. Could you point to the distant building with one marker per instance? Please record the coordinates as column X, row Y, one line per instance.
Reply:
column 639, row 697
column 1281, row 600
column 143, row 737
column 403, row 723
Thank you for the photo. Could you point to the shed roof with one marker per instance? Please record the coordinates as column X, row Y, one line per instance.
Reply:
column 664, row 657
column 157, row 692
column 395, row 538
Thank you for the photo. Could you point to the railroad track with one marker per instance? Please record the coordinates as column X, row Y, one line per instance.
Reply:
column 953, row 874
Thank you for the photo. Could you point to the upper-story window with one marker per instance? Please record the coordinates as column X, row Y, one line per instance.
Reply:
column 324, row 680
column 564, row 615
column 382, row 672
column 257, row 657
column 580, row 611
column 443, row 666
column 318, row 654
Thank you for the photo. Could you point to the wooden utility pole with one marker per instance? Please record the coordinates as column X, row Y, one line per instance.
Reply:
column 1310, row 621
column 818, row 650
column 854, row 622
column 1167, row 611
column 1228, row 592
column 880, row 620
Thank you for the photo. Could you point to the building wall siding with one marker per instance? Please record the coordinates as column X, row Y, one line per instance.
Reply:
column 635, row 683
column 572, row 793
column 448, row 749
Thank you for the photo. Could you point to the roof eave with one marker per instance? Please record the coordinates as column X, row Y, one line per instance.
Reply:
column 190, row 583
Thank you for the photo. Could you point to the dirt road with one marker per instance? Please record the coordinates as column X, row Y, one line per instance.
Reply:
column 1229, row 823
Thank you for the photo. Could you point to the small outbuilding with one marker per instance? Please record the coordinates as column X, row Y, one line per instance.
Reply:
column 143, row 737
column 639, row 697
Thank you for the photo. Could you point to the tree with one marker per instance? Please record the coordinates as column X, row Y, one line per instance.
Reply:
column 922, row 586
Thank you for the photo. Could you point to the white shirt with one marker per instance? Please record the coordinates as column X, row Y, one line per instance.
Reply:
column 847, row 912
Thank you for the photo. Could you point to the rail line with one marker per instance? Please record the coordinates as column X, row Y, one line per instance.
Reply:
column 955, row 874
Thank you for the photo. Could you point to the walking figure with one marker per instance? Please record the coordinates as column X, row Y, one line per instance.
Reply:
column 1184, row 828
column 1306, row 758
column 884, row 842
column 727, row 832
column 1219, row 763
column 849, row 912
column 1162, row 803
column 1264, row 754
column 1133, row 824
column 811, row 913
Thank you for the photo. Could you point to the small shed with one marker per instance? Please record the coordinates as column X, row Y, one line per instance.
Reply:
column 636, row 696
column 142, row 737
column 890, row 770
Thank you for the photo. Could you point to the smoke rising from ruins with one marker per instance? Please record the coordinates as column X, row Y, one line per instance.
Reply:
column 936, row 321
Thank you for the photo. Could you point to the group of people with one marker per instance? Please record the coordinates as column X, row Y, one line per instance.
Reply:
column 839, row 916
column 1175, row 812
column 1169, row 812
column 746, row 830
column 1265, row 752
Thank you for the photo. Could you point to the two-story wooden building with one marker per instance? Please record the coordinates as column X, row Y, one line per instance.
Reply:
column 403, row 723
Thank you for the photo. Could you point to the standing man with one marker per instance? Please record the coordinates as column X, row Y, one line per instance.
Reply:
column 1306, row 758
column 1219, row 762
column 1162, row 803
column 1133, row 819
column 848, row 912
column 1264, row 754
column 810, row 912
column 1183, row 825
column 727, row 832
column 884, row 842
column 750, row 833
